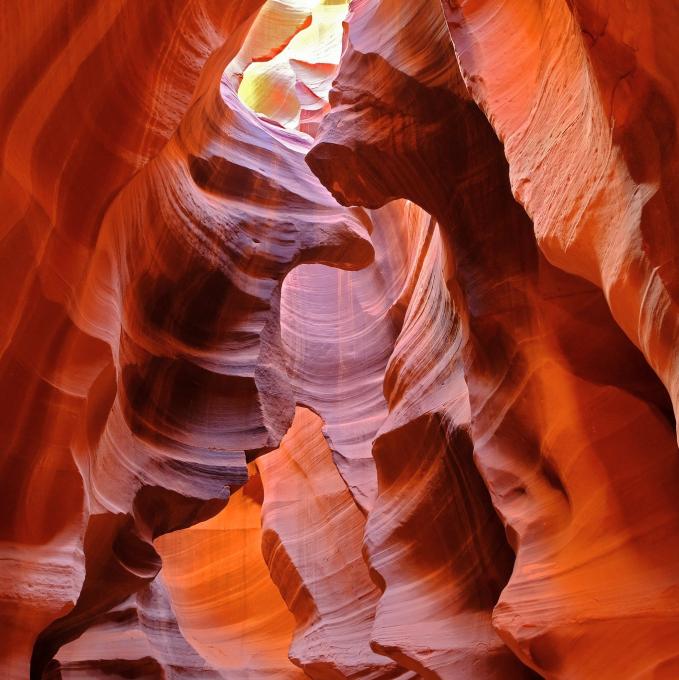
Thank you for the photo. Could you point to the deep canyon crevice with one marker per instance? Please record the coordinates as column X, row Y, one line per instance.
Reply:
column 339, row 340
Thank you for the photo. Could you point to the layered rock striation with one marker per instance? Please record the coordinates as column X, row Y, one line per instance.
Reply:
column 338, row 340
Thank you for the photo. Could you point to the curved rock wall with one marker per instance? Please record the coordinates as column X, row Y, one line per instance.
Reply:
column 375, row 381
column 88, row 97
column 224, row 599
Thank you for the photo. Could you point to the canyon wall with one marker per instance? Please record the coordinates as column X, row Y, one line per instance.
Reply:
column 339, row 339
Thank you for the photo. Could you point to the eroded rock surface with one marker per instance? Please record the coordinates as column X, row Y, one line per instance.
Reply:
column 374, row 379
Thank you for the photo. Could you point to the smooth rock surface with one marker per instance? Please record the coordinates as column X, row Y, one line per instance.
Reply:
column 339, row 339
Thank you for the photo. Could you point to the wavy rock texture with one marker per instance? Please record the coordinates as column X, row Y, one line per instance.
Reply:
column 601, row 214
column 149, row 390
column 440, row 554
column 346, row 386
column 225, row 601
column 69, row 133
column 552, row 423
column 422, row 443
column 307, row 507
column 610, row 223
column 139, row 638
column 416, row 328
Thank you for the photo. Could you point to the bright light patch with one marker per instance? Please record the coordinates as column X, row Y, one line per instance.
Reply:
column 292, row 86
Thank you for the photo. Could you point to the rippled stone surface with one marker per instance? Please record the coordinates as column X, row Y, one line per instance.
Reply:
column 338, row 339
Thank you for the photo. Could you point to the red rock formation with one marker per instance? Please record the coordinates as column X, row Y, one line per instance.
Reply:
column 346, row 387
column 599, row 212
column 307, row 507
column 594, row 164
column 524, row 359
column 149, row 391
column 88, row 97
column 139, row 638
column 436, row 304
column 226, row 604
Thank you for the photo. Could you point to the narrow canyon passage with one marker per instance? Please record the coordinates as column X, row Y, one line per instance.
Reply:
column 339, row 340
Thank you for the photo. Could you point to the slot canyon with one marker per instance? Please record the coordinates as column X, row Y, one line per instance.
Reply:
column 339, row 339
